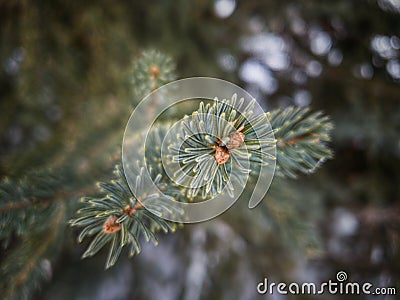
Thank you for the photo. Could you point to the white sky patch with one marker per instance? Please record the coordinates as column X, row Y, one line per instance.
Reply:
column 335, row 57
column 382, row 44
column 224, row 8
column 395, row 42
column 227, row 61
column 364, row 71
column 302, row 98
column 314, row 68
column 393, row 68
column 268, row 47
column 253, row 72
column 276, row 61
column 345, row 222
column 320, row 42
column 391, row 5
column 13, row 63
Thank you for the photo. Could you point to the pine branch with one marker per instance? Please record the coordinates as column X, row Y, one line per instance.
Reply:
column 119, row 217
column 27, row 205
column 33, row 214
column 33, row 201
column 216, row 139
column 150, row 71
column 302, row 139
column 29, row 261
column 30, row 201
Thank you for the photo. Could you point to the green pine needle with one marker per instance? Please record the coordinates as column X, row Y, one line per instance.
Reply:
column 150, row 71
column 118, row 218
column 219, row 128
column 302, row 140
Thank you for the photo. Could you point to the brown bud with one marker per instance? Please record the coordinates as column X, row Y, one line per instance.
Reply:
column 154, row 71
column 128, row 210
column 236, row 138
column 110, row 225
column 221, row 154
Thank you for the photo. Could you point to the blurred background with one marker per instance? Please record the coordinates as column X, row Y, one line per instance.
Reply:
column 65, row 97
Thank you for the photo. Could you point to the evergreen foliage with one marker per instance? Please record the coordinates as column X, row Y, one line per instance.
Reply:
column 30, row 212
column 118, row 218
column 151, row 71
column 302, row 139
column 68, row 85
column 217, row 141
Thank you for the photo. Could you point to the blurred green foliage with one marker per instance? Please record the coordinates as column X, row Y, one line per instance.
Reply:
column 65, row 89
